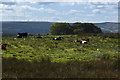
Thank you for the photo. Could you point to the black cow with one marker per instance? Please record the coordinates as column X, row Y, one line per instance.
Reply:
column 22, row 35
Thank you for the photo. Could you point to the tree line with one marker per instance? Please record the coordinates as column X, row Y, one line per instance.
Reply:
column 75, row 28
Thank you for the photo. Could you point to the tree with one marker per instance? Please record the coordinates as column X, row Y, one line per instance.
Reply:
column 76, row 28
column 60, row 28
column 85, row 28
column 78, row 31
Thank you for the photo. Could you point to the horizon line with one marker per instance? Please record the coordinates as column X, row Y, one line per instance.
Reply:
column 62, row 22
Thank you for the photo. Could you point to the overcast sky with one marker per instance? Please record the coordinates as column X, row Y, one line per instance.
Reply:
column 59, row 11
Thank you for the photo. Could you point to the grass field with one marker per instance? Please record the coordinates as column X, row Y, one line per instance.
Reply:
column 46, row 58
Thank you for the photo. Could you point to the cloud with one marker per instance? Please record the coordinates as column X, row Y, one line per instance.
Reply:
column 32, row 11
column 16, row 0
column 43, row 3
column 1, row 5
column 98, row 11
column 68, row 13
column 61, row 0
column 103, row 5
column 19, row 9
column 74, row 12
column 100, row 6
column 9, row 9
column 103, row 0
column 8, row 6
column 67, row 3
column 31, row 8
column 48, row 10
column 8, row 3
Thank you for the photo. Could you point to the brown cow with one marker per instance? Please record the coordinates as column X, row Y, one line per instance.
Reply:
column 85, row 40
column 3, row 46
column 78, row 40
column 82, row 41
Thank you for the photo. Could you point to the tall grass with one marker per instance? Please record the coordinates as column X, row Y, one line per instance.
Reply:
column 14, row 68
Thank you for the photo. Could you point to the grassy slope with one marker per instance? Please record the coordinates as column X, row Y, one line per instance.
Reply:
column 61, row 51
column 98, row 58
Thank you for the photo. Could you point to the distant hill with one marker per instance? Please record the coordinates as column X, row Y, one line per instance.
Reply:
column 30, row 27
column 108, row 27
column 10, row 27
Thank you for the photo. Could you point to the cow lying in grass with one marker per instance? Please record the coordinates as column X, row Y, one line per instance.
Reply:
column 82, row 41
column 59, row 38
column 3, row 46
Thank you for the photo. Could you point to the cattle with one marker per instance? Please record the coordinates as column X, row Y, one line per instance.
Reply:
column 85, row 40
column 3, row 46
column 22, row 35
column 58, row 38
column 77, row 40
column 82, row 41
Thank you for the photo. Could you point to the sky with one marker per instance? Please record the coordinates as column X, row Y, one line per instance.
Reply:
column 62, row 11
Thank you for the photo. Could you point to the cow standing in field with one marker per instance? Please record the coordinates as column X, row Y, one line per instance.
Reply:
column 22, row 35
column 82, row 41
column 3, row 46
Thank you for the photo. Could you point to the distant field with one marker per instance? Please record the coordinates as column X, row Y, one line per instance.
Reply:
column 99, row 56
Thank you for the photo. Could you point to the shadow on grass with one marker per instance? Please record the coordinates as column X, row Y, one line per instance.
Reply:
column 14, row 68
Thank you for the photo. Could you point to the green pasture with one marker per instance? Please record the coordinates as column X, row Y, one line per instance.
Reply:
column 31, row 48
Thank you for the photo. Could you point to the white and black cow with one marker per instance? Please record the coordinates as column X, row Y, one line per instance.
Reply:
column 22, row 35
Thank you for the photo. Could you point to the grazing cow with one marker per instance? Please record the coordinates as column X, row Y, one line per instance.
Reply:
column 22, row 35
column 59, row 38
column 82, row 41
column 3, row 46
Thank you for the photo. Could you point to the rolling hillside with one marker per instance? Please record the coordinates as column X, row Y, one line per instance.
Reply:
column 108, row 27
column 43, row 27
column 30, row 27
